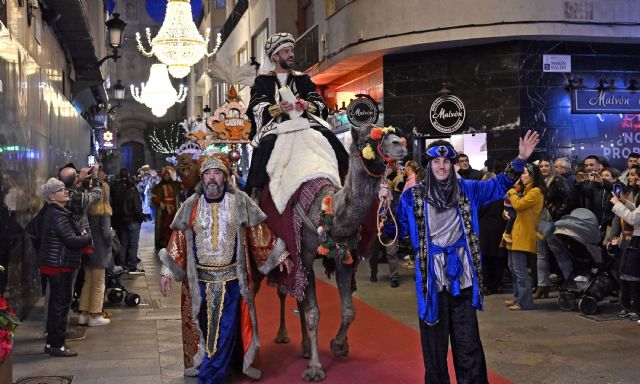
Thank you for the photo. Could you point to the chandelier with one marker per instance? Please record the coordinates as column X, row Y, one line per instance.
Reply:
column 158, row 93
column 178, row 44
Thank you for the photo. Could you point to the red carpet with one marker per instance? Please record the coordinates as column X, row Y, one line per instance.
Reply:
column 381, row 349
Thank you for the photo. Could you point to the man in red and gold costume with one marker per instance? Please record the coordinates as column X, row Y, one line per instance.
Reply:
column 165, row 196
column 207, row 252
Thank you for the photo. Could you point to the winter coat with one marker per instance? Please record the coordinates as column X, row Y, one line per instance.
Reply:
column 557, row 198
column 126, row 203
column 61, row 242
column 100, row 223
column 492, row 226
column 525, row 228
column 602, row 202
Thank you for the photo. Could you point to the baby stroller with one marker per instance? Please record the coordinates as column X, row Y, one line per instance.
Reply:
column 117, row 292
column 591, row 279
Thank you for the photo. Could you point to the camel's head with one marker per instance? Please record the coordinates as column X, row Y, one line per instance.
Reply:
column 377, row 146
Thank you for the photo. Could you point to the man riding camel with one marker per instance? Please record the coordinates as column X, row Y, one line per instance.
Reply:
column 267, row 109
column 295, row 154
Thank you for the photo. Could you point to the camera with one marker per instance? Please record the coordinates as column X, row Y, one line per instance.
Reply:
column 91, row 160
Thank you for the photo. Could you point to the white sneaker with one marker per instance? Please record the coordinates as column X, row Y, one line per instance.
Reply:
column 95, row 321
column 83, row 319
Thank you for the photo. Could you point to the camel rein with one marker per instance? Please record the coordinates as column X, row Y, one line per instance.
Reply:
column 384, row 209
column 384, row 206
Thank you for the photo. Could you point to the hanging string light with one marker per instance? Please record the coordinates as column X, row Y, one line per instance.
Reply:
column 158, row 93
column 178, row 44
column 167, row 140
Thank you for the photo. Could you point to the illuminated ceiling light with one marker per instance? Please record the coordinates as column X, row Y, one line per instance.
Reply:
column 178, row 44
column 158, row 93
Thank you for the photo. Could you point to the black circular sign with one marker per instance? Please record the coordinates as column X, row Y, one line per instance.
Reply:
column 447, row 114
column 363, row 110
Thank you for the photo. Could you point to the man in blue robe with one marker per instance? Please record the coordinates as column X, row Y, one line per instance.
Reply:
column 440, row 216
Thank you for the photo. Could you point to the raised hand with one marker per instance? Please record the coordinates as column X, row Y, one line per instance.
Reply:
column 527, row 144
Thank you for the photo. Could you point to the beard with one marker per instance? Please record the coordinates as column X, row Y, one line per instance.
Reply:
column 284, row 64
column 213, row 188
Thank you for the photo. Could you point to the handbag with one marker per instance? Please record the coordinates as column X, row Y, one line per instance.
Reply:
column 546, row 224
column 630, row 264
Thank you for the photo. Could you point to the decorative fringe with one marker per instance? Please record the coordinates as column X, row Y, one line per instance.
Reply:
column 340, row 251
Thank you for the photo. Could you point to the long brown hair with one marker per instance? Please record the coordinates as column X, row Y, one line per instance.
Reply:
column 417, row 170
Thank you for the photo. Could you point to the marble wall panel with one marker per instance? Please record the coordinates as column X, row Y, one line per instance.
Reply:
column 505, row 91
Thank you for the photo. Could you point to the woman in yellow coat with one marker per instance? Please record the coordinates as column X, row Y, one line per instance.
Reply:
column 524, row 233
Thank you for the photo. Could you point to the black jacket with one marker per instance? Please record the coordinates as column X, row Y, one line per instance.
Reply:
column 602, row 202
column 470, row 174
column 557, row 198
column 126, row 203
column 60, row 242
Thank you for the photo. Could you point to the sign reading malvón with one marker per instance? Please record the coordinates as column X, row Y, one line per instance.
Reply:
column 605, row 101
column 363, row 110
column 447, row 114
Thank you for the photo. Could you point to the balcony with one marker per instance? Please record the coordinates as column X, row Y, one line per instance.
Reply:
column 233, row 19
column 307, row 49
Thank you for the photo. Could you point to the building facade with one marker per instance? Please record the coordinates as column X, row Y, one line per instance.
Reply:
column 490, row 55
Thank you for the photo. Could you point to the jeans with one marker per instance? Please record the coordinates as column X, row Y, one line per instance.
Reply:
column 543, row 264
column 60, row 298
column 521, row 279
column 559, row 249
column 129, row 238
column 458, row 322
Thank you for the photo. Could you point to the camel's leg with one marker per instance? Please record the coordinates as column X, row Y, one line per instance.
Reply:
column 306, row 342
column 344, row 275
column 283, row 335
column 314, row 371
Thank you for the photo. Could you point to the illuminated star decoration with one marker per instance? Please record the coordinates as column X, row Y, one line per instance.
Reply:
column 107, row 136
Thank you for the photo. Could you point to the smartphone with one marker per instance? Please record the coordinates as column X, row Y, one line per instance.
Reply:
column 617, row 190
column 91, row 160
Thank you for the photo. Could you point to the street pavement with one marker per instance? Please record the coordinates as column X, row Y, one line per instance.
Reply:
column 143, row 344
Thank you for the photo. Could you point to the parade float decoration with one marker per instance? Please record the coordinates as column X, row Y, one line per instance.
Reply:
column 178, row 43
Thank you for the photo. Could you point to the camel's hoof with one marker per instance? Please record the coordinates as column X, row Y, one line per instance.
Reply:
column 306, row 349
column 282, row 338
column 339, row 350
column 313, row 374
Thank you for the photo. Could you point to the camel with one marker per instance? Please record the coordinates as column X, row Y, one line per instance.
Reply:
column 350, row 205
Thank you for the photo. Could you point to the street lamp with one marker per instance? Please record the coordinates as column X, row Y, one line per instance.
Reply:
column 206, row 112
column 119, row 91
column 115, row 27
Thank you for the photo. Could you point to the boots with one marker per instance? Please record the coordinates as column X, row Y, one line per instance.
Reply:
column 541, row 293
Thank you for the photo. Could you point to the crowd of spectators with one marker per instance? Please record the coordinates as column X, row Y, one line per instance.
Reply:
column 86, row 233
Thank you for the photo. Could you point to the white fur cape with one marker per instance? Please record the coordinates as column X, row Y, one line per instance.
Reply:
column 300, row 154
